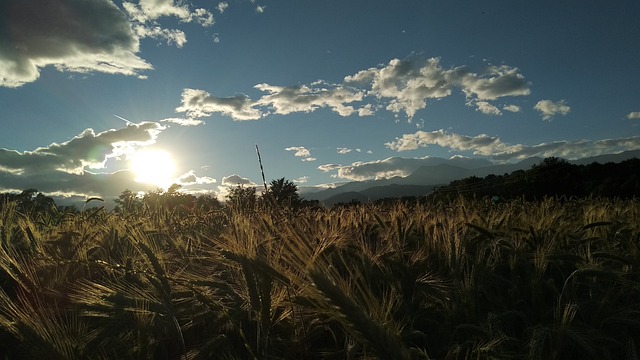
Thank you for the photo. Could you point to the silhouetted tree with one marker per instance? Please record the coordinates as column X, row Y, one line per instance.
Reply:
column 242, row 198
column 128, row 202
column 283, row 193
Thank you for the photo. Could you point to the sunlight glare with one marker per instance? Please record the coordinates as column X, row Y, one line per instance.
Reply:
column 153, row 167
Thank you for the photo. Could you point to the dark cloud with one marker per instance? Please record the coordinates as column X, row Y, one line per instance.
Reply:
column 72, row 35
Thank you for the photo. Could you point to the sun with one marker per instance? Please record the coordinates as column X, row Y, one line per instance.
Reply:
column 153, row 167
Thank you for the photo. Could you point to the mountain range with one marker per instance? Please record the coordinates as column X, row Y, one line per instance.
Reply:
column 436, row 172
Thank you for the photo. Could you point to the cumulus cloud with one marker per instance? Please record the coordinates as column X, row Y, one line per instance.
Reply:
column 511, row 108
column 147, row 11
column 73, row 35
column 87, row 150
column 408, row 84
column 633, row 115
column 301, row 151
column 286, row 100
column 199, row 103
column 236, row 180
column 222, row 6
column 190, row 178
column 402, row 86
column 481, row 144
column 487, row 108
column 548, row 109
column 494, row 148
column 342, row 150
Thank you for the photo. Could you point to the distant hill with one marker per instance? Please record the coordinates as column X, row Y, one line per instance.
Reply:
column 439, row 172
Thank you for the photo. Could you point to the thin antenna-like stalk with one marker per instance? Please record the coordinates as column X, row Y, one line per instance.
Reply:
column 264, row 181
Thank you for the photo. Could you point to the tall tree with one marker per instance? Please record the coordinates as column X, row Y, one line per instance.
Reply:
column 283, row 193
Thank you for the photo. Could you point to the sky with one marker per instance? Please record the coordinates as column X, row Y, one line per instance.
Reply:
column 99, row 96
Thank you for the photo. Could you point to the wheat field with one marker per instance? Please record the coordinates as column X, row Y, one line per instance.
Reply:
column 552, row 279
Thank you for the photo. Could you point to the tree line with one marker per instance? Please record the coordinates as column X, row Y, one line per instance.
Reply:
column 552, row 177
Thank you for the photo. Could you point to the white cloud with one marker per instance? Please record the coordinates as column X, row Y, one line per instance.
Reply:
column 171, row 36
column 199, row 103
column 222, row 6
column 260, row 9
column 184, row 122
column 75, row 35
column 399, row 166
column 301, row 151
column 301, row 180
column 145, row 14
column 286, row 100
column 633, row 115
column 328, row 167
column 511, row 108
column 407, row 84
column 147, row 11
column 236, row 180
column 494, row 148
column 481, row 144
column 486, row 108
column 548, row 109
column 496, row 82
column 342, row 150
column 190, row 178
column 400, row 86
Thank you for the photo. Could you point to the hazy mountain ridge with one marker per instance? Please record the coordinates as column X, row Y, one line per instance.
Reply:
column 440, row 172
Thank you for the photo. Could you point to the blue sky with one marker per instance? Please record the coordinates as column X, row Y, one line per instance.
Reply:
column 331, row 91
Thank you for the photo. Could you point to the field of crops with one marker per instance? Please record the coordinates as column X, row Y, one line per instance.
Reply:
column 553, row 279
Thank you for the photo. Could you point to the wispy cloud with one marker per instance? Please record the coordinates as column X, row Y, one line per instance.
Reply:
column 183, row 121
column 548, row 109
column 343, row 150
column 329, row 167
column 494, row 148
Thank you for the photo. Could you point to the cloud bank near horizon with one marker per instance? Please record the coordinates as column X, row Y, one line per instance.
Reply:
column 486, row 149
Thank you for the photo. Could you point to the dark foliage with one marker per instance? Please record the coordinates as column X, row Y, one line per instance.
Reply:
column 552, row 177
